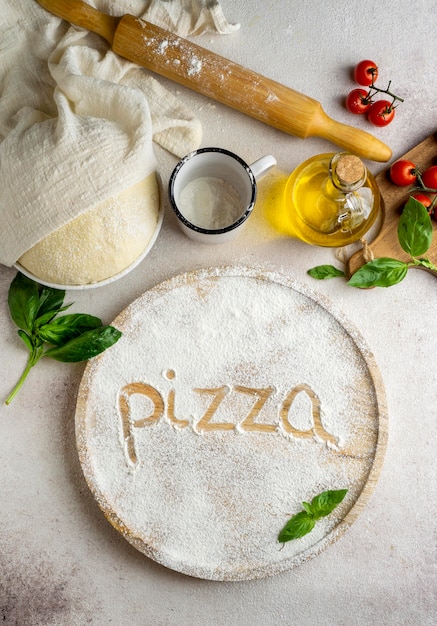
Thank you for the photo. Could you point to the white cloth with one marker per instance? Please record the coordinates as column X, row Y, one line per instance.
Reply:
column 76, row 121
column 184, row 17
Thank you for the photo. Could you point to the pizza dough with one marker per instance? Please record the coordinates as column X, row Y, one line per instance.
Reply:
column 100, row 243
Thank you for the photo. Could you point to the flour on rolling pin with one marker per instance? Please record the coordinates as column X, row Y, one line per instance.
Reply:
column 213, row 76
column 210, row 203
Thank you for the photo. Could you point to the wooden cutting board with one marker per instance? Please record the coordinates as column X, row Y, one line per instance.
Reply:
column 233, row 396
column 386, row 243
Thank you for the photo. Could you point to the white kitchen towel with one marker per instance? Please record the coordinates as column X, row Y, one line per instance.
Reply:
column 184, row 17
column 77, row 122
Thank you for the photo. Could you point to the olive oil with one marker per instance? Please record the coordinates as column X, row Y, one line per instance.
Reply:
column 331, row 200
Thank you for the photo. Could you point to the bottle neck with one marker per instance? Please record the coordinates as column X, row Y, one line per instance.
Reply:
column 345, row 200
column 347, row 172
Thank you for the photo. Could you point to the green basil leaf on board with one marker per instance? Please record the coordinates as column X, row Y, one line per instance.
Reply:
column 326, row 502
column 415, row 237
column 426, row 263
column 307, row 507
column 298, row 526
column 382, row 272
column 415, row 228
column 323, row 272
column 303, row 522
column 74, row 337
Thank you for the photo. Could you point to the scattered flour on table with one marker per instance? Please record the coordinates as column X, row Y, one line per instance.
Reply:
column 211, row 502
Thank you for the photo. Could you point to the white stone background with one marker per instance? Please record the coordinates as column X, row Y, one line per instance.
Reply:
column 62, row 563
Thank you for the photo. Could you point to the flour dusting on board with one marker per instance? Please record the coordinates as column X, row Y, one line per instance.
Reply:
column 230, row 398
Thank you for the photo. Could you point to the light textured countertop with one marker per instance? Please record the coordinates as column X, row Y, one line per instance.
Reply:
column 61, row 562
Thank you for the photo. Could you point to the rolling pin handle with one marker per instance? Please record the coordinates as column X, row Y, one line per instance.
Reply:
column 349, row 138
column 83, row 15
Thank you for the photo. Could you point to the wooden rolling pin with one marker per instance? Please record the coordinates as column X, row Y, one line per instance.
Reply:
column 214, row 76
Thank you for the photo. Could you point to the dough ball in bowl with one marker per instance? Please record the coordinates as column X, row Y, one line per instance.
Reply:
column 100, row 245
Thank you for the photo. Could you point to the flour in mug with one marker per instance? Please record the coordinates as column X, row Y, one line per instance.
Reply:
column 210, row 202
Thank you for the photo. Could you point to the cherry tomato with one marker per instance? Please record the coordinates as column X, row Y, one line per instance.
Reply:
column 381, row 113
column 358, row 102
column 366, row 73
column 403, row 173
column 424, row 199
column 429, row 177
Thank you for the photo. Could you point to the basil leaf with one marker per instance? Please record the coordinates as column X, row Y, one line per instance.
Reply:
column 302, row 523
column 25, row 337
column 299, row 525
column 23, row 301
column 427, row 263
column 62, row 329
column 47, row 317
column 86, row 346
column 50, row 301
column 323, row 272
column 307, row 507
column 75, row 337
column 382, row 272
column 326, row 502
column 415, row 228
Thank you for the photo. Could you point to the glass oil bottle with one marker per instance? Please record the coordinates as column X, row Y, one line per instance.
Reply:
column 331, row 200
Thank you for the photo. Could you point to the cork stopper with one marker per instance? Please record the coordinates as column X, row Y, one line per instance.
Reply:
column 349, row 169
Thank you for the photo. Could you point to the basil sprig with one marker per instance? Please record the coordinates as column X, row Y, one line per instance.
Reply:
column 323, row 272
column 70, row 338
column 415, row 237
column 303, row 522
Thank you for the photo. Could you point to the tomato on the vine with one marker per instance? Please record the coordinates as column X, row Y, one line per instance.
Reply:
column 358, row 101
column 423, row 198
column 366, row 73
column 381, row 113
column 429, row 177
column 403, row 173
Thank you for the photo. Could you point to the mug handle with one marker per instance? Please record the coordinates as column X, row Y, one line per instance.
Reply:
column 262, row 165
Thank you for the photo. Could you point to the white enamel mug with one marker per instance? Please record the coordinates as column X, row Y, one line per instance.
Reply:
column 213, row 191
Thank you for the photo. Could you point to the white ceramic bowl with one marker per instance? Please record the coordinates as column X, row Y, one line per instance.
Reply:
column 115, row 277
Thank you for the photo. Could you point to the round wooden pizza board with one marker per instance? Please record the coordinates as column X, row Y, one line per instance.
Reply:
column 232, row 396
